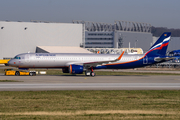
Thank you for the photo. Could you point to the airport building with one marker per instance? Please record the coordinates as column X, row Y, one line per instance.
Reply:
column 103, row 35
column 120, row 34
column 37, row 36
column 24, row 37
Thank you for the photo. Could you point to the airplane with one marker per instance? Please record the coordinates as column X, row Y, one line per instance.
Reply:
column 77, row 63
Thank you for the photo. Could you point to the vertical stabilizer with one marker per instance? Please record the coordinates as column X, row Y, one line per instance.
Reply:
column 160, row 46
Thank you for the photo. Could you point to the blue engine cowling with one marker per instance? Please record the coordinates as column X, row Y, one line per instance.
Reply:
column 76, row 69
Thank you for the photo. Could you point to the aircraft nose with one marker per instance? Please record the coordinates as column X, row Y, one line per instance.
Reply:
column 11, row 63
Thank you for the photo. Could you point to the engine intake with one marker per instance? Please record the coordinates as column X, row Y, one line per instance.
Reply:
column 76, row 69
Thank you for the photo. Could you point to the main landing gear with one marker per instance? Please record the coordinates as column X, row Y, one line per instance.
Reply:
column 90, row 72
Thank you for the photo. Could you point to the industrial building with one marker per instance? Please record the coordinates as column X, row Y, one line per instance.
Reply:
column 174, row 44
column 121, row 34
column 24, row 37
column 37, row 36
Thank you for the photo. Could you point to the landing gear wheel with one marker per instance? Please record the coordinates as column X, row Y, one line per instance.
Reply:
column 31, row 74
column 17, row 73
column 93, row 74
column 87, row 73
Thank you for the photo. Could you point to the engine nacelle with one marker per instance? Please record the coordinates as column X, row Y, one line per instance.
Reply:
column 76, row 69
column 65, row 70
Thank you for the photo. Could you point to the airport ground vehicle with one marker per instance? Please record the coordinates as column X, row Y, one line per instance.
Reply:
column 4, row 61
column 18, row 73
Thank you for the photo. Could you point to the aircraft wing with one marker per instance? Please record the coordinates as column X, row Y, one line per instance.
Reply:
column 94, row 64
column 158, row 59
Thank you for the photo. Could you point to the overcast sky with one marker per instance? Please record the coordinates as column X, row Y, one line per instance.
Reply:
column 159, row 13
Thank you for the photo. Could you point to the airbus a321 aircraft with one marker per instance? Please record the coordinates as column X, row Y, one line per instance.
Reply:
column 78, row 63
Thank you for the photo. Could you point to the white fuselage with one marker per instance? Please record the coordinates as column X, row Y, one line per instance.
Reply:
column 59, row 60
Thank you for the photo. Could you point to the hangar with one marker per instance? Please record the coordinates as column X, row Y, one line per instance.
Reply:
column 60, row 49
column 38, row 36
column 24, row 37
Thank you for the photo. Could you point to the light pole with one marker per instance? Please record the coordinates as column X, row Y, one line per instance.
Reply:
column 136, row 42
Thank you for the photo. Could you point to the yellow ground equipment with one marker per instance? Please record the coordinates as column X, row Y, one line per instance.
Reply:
column 18, row 73
column 5, row 61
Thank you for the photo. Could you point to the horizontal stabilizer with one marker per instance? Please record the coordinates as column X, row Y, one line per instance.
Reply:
column 159, row 59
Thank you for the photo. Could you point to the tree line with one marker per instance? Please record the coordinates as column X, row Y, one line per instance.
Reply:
column 157, row 31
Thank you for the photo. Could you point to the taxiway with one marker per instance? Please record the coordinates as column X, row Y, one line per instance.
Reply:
column 69, row 82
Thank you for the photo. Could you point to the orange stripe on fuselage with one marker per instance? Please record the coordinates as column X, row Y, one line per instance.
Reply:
column 126, row 62
column 158, row 48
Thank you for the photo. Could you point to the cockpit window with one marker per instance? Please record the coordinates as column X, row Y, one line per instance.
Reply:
column 16, row 57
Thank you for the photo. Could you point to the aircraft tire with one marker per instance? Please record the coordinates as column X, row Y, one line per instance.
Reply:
column 34, row 74
column 93, row 74
column 17, row 73
column 31, row 74
column 87, row 73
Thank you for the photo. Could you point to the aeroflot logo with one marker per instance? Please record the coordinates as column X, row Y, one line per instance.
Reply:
column 45, row 54
column 165, row 34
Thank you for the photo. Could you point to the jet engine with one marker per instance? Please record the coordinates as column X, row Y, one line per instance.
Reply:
column 76, row 69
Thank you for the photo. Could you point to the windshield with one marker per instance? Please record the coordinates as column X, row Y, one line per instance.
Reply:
column 16, row 57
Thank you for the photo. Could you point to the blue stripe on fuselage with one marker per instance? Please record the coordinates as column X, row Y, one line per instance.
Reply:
column 127, row 65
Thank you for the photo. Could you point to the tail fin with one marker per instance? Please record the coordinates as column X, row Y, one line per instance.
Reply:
column 160, row 46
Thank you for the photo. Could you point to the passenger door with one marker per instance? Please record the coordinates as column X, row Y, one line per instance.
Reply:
column 145, row 60
column 27, row 58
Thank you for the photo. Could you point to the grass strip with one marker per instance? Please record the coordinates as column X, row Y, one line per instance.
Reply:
column 140, row 104
column 113, row 73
